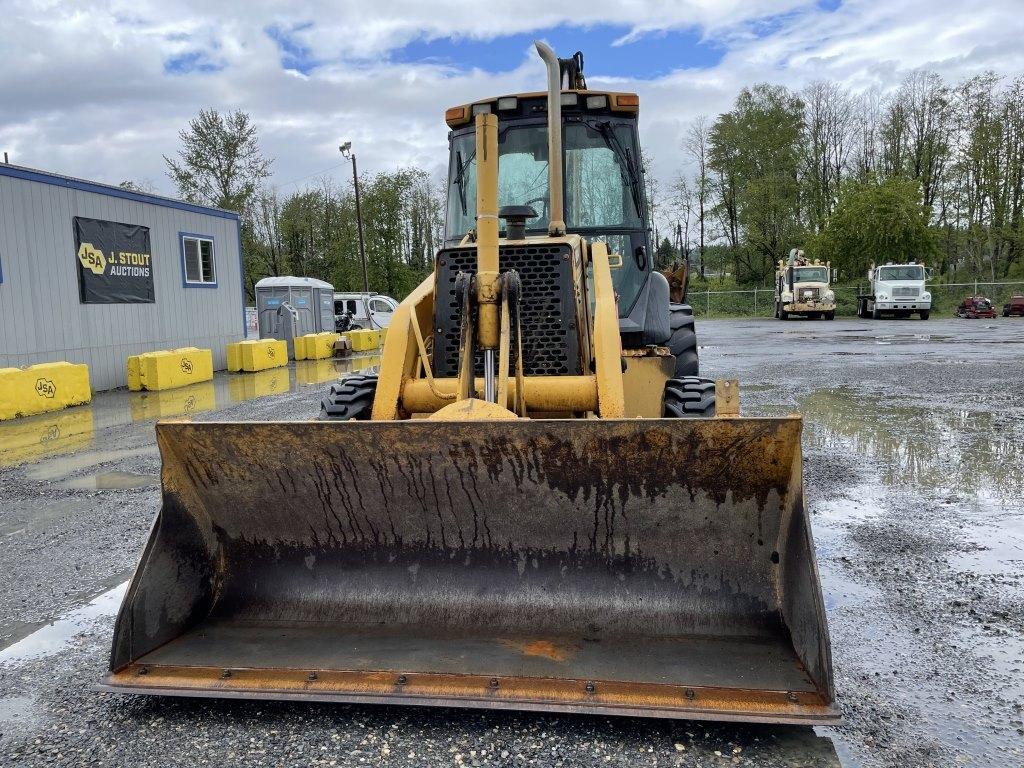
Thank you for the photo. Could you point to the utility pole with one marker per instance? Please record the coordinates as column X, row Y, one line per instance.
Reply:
column 346, row 151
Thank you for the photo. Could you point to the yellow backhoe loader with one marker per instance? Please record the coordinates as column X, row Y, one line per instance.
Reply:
column 534, row 504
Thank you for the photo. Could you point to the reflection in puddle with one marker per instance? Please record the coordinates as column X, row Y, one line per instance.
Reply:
column 36, row 437
column 54, row 637
column 108, row 481
column 968, row 451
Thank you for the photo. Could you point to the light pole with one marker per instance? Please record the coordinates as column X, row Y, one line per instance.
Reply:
column 346, row 151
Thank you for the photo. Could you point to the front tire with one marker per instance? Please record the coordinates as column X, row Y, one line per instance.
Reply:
column 830, row 315
column 876, row 314
column 924, row 314
column 350, row 398
column 689, row 397
column 683, row 341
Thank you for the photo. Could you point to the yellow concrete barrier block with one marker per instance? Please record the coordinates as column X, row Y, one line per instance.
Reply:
column 316, row 346
column 169, row 368
column 364, row 340
column 257, row 355
column 42, row 388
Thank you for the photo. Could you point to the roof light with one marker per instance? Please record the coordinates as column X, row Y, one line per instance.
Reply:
column 456, row 116
column 597, row 102
column 481, row 109
column 506, row 103
column 570, row 100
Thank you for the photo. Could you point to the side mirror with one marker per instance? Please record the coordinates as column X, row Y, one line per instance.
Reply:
column 835, row 275
column 929, row 273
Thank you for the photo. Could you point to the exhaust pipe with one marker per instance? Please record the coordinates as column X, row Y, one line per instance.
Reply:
column 556, row 222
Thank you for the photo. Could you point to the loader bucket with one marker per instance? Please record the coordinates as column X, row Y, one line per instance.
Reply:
column 641, row 567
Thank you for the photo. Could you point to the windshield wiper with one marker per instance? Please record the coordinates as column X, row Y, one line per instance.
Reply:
column 627, row 166
column 460, row 178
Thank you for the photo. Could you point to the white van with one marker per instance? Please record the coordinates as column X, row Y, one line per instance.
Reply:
column 365, row 310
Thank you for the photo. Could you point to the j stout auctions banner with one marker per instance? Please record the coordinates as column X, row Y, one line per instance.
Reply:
column 115, row 263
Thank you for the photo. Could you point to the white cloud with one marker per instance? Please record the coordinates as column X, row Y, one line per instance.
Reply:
column 84, row 90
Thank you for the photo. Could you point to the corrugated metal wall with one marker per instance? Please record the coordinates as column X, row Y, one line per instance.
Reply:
column 41, row 317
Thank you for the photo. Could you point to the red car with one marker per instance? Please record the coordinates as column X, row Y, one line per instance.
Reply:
column 974, row 307
column 1015, row 306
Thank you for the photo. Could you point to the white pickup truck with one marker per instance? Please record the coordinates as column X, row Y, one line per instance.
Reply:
column 896, row 289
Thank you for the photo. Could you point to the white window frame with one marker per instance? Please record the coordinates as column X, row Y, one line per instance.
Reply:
column 198, row 239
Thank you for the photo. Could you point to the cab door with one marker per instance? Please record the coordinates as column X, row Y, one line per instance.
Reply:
column 381, row 311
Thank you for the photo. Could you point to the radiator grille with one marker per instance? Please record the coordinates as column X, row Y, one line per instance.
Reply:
column 906, row 291
column 550, row 340
column 808, row 293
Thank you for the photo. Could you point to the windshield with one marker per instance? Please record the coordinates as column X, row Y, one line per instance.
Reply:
column 602, row 178
column 810, row 275
column 603, row 189
column 904, row 272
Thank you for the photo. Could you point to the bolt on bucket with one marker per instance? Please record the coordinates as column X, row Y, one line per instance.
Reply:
column 641, row 567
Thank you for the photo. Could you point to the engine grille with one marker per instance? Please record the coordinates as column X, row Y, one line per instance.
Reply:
column 906, row 291
column 808, row 293
column 550, row 337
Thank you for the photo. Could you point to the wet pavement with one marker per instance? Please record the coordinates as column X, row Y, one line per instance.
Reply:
column 914, row 471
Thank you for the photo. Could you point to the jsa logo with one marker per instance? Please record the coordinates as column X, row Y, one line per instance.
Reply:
column 92, row 258
column 45, row 388
column 186, row 365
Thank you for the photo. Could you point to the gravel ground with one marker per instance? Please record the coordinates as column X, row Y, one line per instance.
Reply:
column 914, row 470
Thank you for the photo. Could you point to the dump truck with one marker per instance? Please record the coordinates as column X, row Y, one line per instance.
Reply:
column 802, row 288
column 897, row 290
column 534, row 503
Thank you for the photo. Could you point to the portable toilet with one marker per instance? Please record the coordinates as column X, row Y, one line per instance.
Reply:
column 288, row 307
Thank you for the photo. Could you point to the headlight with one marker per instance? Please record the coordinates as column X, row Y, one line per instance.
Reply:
column 787, row 296
column 882, row 296
column 926, row 296
column 830, row 296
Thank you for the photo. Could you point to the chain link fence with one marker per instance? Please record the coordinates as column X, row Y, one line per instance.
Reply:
column 760, row 302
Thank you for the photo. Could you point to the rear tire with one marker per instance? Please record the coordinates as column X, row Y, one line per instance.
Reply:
column 350, row 398
column 683, row 341
column 689, row 397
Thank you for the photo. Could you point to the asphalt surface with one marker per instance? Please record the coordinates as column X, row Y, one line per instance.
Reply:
column 914, row 473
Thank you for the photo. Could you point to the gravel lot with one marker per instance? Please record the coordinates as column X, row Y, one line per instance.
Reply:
column 914, row 470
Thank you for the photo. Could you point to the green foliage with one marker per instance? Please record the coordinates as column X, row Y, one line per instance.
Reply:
column 220, row 162
column 877, row 221
column 754, row 149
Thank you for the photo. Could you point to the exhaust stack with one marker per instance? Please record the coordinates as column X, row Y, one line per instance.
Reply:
column 556, row 222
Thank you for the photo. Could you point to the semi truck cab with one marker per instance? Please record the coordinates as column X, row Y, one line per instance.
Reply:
column 896, row 289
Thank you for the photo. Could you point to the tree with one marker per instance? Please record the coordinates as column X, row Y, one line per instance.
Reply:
column 220, row 162
column 755, row 147
column 696, row 143
column 876, row 222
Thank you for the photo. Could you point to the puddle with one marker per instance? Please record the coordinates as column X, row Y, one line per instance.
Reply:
column 111, row 481
column 15, row 708
column 962, row 451
column 31, row 439
column 57, row 468
column 58, row 635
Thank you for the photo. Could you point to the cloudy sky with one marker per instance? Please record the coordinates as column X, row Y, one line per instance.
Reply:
column 99, row 89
